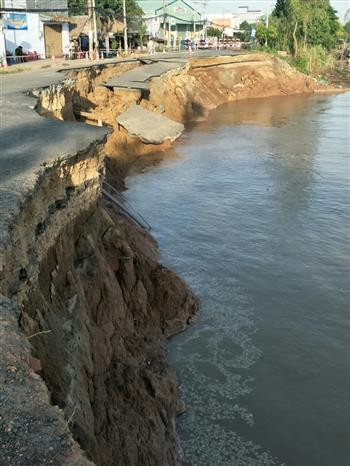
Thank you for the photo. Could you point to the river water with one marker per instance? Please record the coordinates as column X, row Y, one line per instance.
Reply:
column 252, row 210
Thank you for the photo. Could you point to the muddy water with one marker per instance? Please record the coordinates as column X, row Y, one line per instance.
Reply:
column 252, row 211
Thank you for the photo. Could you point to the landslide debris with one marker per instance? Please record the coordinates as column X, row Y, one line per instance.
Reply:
column 149, row 127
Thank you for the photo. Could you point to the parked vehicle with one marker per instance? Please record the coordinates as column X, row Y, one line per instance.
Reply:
column 203, row 44
column 185, row 44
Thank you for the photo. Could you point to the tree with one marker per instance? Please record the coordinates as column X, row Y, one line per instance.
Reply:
column 142, row 32
column 266, row 36
column 306, row 23
column 214, row 32
column 112, row 9
column 247, row 28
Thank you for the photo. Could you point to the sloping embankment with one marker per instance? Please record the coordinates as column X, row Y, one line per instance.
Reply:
column 95, row 306
column 183, row 95
column 93, row 303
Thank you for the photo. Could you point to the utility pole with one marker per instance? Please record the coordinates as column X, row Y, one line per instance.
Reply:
column 267, row 14
column 164, row 24
column 125, row 28
column 2, row 36
column 267, row 18
column 168, row 42
column 93, row 6
column 91, row 25
column 203, row 19
column 204, row 22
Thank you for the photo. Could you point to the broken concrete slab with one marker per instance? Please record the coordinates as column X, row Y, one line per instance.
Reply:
column 138, row 78
column 149, row 127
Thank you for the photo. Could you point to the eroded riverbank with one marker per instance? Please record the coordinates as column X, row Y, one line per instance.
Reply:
column 259, row 229
column 85, row 284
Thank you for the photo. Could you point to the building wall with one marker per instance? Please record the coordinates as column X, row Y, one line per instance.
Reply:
column 32, row 4
column 2, row 48
column 179, row 14
column 152, row 26
column 220, row 21
column 15, row 4
column 47, row 4
column 228, row 20
column 65, row 37
column 31, row 39
column 185, row 31
column 235, row 23
column 250, row 16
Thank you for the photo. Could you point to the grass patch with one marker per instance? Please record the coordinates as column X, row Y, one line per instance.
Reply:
column 13, row 70
column 313, row 60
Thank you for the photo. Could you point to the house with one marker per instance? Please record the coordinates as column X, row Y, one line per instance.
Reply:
column 172, row 20
column 40, row 26
column 219, row 21
column 245, row 14
column 231, row 22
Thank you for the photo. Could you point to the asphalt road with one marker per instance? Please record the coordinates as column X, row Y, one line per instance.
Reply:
column 27, row 140
column 158, row 64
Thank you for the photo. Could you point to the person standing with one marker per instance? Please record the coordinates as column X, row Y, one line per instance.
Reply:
column 150, row 46
column 19, row 54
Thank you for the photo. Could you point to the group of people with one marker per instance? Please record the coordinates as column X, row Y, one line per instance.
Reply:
column 22, row 56
column 73, row 50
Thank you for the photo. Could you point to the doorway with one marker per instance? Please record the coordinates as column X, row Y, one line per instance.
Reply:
column 53, row 40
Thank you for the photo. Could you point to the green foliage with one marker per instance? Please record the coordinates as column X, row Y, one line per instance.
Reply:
column 247, row 28
column 300, row 23
column 266, row 36
column 77, row 7
column 214, row 32
column 280, row 8
column 313, row 60
column 307, row 29
column 106, row 8
column 114, row 44
column 142, row 32
column 346, row 30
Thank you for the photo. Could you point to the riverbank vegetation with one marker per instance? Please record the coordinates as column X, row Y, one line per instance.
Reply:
column 309, row 32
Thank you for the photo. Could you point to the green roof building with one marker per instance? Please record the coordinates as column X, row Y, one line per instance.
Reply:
column 172, row 20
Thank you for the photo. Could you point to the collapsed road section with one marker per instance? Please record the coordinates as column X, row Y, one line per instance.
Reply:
column 85, row 305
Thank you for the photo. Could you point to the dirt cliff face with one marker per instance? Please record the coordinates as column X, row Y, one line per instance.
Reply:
column 188, row 94
column 109, row 306
column 93, row 303
column 185, row 94
column 81, row 92
column 96, row 308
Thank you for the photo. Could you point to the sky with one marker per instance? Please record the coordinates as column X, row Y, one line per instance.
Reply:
column 225, row 6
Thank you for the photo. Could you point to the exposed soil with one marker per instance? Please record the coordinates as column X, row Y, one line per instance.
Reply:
column 110, row 306
column 96, row 307
column 93, row 303
column 339, row 76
